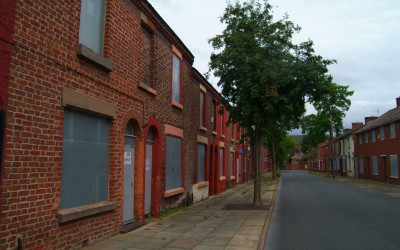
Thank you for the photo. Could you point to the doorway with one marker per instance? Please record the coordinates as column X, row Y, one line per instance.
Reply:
column 148, row 171
column 129, row 172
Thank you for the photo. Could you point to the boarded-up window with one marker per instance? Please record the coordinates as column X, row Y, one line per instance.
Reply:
column 374, row 165
column 394, row 166
column 201, row 159
column 85, row 159
column 92, row 24
column 176, row 79
column 221, row 162
column 173, row 163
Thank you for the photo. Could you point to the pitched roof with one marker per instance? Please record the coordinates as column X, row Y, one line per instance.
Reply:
column 348, row 133
column 392, row 115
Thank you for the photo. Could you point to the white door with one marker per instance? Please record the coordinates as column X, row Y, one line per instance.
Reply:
column 129, row 166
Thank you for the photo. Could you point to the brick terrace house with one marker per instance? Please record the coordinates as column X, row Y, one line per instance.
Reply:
column 105, row 122
column 377, row 147
column 319, row 161
column 344, row 150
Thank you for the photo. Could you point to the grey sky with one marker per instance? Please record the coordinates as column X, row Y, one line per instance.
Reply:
column 362, row 35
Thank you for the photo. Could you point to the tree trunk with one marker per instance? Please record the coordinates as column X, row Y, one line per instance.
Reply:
column 257, row 173
column 330, row 146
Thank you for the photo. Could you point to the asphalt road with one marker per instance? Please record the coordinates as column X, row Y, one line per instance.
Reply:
column 318, row 213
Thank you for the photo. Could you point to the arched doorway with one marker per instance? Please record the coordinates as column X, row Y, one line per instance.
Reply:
column 129, row 172
column 152, row 166
column 148, row 171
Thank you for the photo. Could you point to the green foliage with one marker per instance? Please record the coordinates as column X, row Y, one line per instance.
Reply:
column 331, row 108
column 315, row 128
column 285, row 147
column 335, row 100
column 265, row 77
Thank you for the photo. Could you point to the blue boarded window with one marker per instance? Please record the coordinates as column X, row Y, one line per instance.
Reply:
column 85, row 159
column 176, row 79
column 392, row 131
column 201, row 160
column 221, row 162
column 174, row 145
column 373, row 135
column 374, row 165
column 91, row 30
column 382, row 133
column 394, row 166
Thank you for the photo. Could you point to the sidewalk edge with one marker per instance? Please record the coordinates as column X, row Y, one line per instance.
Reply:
column 263, row 237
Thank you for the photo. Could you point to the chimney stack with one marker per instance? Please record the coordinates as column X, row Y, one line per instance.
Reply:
column 398, row 101
column 370, row 119
column 346, row 130
column 356, row 125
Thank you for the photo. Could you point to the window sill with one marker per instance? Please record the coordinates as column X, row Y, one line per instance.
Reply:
column 202, row 184
column 222, row 136
column 232, row 178
column 177, row 105
column 90, row 56
column 222, row 178
column 214, row 133
column 203, row 128
column 173, row 192
column 147, row 88
column 71, row 214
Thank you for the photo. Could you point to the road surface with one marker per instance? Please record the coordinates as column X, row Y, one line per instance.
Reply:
column 314, row 212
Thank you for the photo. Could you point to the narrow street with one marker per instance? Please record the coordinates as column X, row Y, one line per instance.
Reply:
column 314, row 212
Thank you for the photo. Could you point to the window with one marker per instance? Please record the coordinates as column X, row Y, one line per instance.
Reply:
column 394, row 167
column 374, row 165
column 176, row 78
column 359, row 139
column 221, row 162
column 382, row 133
column 366, row 137
column 201, row 159
column 202, row 108
column 373, row 135
column 215, row 116
column 223, row 125
column 361, row 165
column 84, row 175
column 173, row 180
column 392, row 131
column 92, row 24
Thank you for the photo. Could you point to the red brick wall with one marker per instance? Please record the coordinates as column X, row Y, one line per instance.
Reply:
column 44, row 60
column 378, row 148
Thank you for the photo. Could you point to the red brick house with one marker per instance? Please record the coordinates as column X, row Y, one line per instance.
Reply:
column 106, row 122
column 319, row 162
column 377, row 147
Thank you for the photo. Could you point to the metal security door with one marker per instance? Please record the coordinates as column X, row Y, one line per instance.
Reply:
column 148, row 172
column 129, row 166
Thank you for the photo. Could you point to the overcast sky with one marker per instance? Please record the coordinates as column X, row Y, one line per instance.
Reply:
column 362, row 35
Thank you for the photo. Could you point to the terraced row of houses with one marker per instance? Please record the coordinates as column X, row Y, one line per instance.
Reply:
column 104, row 121
column 369, row 150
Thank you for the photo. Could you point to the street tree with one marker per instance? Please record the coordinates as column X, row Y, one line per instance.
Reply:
column 265, row 77
column 333, row 103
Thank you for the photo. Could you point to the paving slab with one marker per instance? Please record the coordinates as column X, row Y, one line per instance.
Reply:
column 207, row 224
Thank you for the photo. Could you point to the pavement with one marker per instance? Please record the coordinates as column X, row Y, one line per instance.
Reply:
column 379, row 187
column 224, row 221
